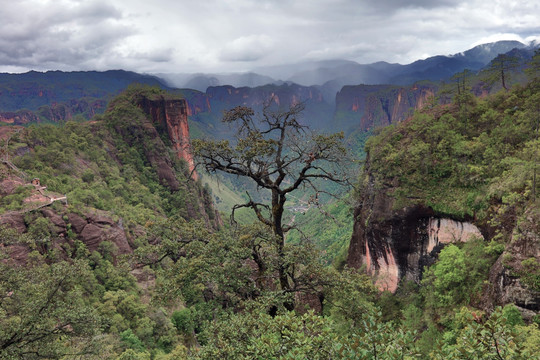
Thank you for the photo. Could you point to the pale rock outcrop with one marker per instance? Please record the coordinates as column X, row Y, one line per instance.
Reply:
column 446, row 231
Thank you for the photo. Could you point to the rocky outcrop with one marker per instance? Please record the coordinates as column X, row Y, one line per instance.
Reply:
column 395, row 244
column 13, row 220
column 98, row 227
column 514, row 276
column 143, row 134
column 172, row 115
column 92, row 229
column 446, row 231
column 167, row 119
column 10, row 184
column 20, row 117
column 366, row 107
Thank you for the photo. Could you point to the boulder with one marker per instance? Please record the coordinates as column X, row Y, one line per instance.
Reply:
column 13, row 220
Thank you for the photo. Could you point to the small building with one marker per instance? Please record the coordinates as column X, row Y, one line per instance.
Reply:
column 36, row 182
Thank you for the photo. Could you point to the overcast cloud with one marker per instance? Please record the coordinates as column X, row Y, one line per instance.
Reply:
column 179, row 36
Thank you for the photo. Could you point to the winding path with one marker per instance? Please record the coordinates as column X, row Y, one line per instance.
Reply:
column 24, row 176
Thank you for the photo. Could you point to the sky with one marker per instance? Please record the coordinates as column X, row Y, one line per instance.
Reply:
column 221, row 36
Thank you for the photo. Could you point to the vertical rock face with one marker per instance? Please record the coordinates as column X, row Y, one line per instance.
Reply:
column 172, row 115
column 510, row 279
column 19, row 117
column 380, row 105
column 396, row 244
column 253, row 97
column 169, row 117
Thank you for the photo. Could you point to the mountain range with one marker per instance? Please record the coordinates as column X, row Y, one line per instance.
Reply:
column 340, row 95
column 337, row 73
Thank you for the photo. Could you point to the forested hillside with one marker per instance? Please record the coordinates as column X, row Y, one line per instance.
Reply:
column 122, row 255
column 472, row 163
column 78, row 202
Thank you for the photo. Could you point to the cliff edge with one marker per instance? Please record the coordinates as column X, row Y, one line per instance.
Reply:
column 456, row 173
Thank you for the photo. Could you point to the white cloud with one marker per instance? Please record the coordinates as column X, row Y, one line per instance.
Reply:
column 247, row 48
column 498, row 37
column 213, row 35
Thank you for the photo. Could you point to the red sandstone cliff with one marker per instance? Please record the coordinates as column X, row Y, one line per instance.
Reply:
column 172, row 114
column 18, row 118
column 365, row 107
column 92, row 228
column 285, row 95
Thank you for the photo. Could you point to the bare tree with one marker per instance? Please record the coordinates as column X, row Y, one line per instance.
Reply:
column 279, row 154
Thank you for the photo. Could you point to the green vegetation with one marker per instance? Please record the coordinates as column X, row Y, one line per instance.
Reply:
column 229, row 191
column 234, row 312
column 14, row 201
column 192, row 291
column 500, row 68
column 35, row 90
column 457, row 158
column 329, row 227
column 107, row 165
column 44, row 308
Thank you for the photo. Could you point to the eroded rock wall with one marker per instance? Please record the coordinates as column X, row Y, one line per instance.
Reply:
column 172, row 115
column 55, row 112
column 395, row 244
column 92, row 229
column 514, row 276
column 371, row 106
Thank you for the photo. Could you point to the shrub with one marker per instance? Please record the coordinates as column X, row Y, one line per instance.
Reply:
column 183, row 320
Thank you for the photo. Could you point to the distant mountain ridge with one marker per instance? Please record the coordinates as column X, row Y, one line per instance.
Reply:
column 34, row 89
column 338, row 73
column 357, row 98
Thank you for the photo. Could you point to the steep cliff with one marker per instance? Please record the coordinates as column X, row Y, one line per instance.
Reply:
column 256, row 97
column 396, row 243
column 206, row 109
column 116, row 176
column 159, row 124
column 172, row 115
column 365, row 107
column 514, row 278
column 451, row 174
